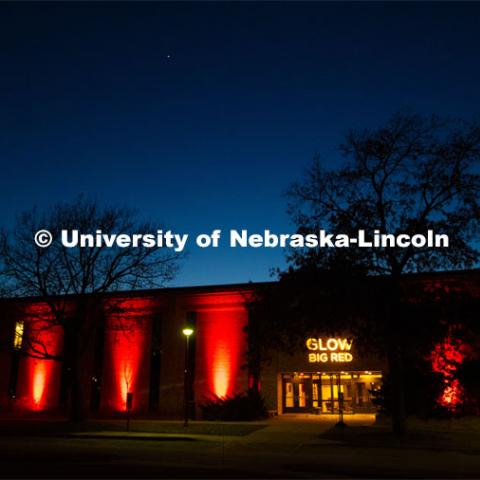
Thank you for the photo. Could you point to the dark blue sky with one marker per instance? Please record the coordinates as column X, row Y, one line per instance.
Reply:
column 200, row 115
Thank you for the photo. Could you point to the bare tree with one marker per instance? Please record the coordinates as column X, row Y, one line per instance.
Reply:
column 412, row 175
column 56, row 272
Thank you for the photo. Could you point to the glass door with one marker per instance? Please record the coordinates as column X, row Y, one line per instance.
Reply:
column 297, row 392
column 289, row 395
column 332, row 386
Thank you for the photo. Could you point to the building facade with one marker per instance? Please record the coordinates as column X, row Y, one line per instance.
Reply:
column 139, row 357
column 140, row 349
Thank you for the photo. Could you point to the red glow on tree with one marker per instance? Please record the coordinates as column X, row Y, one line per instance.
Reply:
column 446, row 358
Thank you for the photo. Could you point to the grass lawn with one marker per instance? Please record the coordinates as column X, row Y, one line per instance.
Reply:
column 193, row 428
column 45, row 427
column 455, row 434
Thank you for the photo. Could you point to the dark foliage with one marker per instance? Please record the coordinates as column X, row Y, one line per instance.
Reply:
column 470, row 380
column 241, row 407
column 411, row 175
column 423, row 388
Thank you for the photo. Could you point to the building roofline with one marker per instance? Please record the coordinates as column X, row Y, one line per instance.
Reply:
column 229, row 287
column 436, row 273
column 200, row 289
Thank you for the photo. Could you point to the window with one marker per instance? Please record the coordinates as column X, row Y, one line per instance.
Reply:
column 18, row 336
column 17, row 345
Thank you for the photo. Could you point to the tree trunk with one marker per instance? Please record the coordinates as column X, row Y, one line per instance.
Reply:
column 395, row 364
column 75, row 341
column 80, row 330
column 394, row 344
column 78, row 411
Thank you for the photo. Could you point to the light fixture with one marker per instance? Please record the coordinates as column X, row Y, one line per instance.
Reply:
column 187, row 331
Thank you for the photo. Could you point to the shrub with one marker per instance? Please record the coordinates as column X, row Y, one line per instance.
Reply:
column 244, row 406
column 422, row 389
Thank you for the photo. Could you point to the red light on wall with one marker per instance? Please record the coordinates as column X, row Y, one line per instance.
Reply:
column 222, row 369
column 252, row 385
column 39, row 380
column 221, row 346
column 39, row 383
column 127, row 346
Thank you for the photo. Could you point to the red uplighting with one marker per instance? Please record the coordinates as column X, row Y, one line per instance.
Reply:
column 220, row 333
column 40, row 383
column 252, row 385
column 452, row 395
column 446, row 358
column 219, row 347
column 127, row 346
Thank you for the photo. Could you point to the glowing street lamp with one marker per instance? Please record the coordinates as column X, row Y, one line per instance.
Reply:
column 187, row 331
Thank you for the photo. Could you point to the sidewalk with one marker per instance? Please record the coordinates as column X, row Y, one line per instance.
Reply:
column 284, row 430
column 281, row 447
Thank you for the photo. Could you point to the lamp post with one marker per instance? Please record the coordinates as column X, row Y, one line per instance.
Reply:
column 128, row 406
column 187, row 331
column 341, row 404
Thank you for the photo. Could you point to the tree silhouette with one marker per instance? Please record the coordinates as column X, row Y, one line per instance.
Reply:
column 409, row 176
column 56, row 273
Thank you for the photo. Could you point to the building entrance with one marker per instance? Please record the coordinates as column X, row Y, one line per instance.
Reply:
column 330, row 392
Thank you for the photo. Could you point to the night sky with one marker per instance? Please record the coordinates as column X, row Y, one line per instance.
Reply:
column 200, row 115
